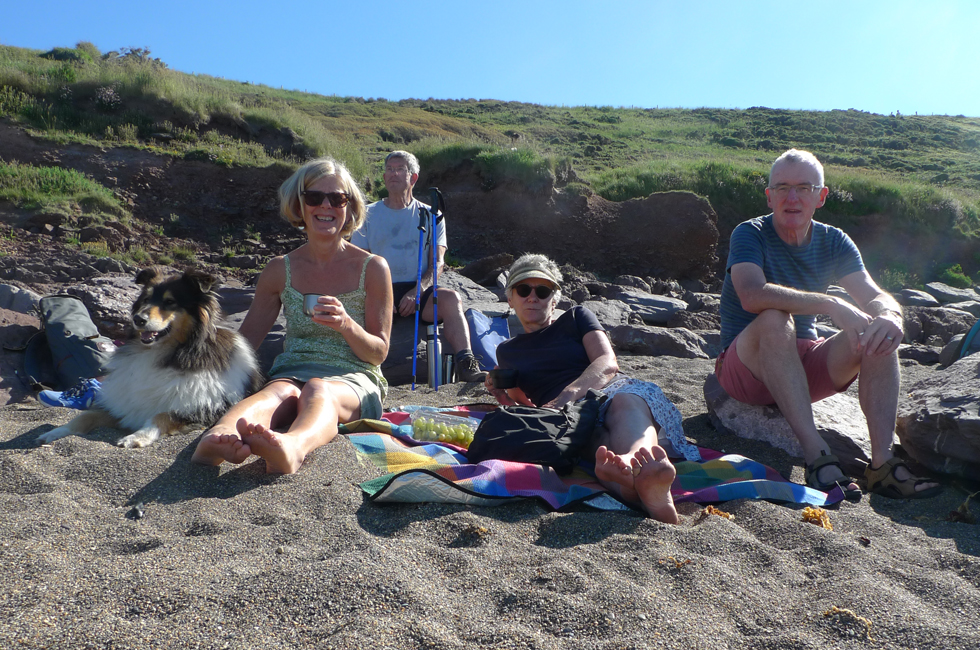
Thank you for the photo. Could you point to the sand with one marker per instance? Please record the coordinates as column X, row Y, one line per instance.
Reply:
column 234, row 558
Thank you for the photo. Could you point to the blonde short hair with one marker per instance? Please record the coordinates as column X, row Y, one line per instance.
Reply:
column 291, row 198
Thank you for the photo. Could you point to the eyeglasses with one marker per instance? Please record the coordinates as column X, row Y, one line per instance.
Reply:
column 314, row 198
column 801, row 190
column 542, row 291
column 397, row 170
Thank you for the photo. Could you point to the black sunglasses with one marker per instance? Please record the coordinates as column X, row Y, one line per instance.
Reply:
column 314, row 198
column 542, row 291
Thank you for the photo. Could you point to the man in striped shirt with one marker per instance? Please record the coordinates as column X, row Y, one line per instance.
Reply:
column 779, row 268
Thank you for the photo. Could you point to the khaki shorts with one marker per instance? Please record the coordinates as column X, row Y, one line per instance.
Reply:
column 368, row 393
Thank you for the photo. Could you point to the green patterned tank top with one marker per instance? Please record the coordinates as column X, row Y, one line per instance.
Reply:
column 314, row 350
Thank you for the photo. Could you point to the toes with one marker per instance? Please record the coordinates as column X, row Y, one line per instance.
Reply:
column 658, row 452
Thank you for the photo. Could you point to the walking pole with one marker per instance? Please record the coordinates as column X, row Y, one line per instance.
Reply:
column 435, row 216
column 418, row 294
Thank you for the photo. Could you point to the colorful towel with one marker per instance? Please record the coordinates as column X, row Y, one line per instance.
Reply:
column 439, row 472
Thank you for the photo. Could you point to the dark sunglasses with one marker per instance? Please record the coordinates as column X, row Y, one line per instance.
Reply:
column 542, row 291
column 313, row 198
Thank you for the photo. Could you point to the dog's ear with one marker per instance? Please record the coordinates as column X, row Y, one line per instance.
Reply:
column 204, row 281
column 148, row 275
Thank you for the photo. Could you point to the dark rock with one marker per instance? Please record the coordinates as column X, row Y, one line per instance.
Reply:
column 839, row 421
column 921, row 323
column 665, row 287
column 939, row 423
column 580, row 295
column 109, row 299
column 916, row 298
column 612, row 313
column 244, row 261
column 945, row 293
column 657, row 341
column 653, row 309
column 235, row 302
column 485, row 270
column 694, row 320
column 969, row 306
column 632, row 281
column 702, row 302
column 672, row 230
column 16, row 299
column 923, row 354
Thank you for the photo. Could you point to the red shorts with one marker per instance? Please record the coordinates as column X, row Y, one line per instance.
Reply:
column 739, row 382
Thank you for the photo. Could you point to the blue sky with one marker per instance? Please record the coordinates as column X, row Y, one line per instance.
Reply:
column 872, row 55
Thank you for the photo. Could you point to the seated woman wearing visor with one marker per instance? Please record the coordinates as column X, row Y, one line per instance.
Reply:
column 559, row 359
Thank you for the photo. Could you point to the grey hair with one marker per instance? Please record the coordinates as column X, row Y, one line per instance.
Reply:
column 535, row 262
column 802, row 157
column 409, row 158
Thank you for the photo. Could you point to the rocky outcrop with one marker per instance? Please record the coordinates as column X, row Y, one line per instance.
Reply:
column 670, row 233
column 939, row 423
column 839, row 421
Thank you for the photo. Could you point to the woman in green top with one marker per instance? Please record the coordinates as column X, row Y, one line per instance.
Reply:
column 329, row 371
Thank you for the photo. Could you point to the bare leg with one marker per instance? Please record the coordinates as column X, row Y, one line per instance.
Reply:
column 767, row 347
column 322, row 404
column 223, row 442
column 451, row 314
column 878, row 391
column 631, row 464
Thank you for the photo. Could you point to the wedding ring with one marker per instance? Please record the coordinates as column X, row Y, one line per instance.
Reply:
column 890, row 338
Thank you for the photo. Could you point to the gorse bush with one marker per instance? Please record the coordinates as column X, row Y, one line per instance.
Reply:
column 954, row 277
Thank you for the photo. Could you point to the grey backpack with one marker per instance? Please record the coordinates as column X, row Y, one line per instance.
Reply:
column 68, row 348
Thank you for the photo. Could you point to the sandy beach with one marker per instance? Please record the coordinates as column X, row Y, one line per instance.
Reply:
column 234, row 558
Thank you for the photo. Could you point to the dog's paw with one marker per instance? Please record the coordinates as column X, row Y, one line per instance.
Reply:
column 53, row 434
column 142, row 438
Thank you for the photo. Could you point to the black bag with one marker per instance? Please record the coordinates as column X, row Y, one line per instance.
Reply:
column 528, row 434
column 68, row 348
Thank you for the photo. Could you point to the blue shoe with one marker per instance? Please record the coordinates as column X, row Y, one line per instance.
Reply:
column 80, row 396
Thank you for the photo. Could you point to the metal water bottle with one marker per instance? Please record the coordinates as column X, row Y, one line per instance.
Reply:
column 435, row 368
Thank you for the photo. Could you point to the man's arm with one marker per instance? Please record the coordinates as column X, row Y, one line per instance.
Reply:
column 757, row 295
column 886, row 330
column 440, row 264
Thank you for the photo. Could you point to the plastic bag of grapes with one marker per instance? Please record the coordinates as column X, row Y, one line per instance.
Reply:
column 433, row 426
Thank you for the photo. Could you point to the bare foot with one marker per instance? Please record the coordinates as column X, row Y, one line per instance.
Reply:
column 829, row 473
column 281, row 454
column 653, row 475
column 903, row 474
column 614, row 472
column 216, row 447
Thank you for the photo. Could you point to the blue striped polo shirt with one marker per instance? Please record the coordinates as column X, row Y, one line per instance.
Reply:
column 829, row 256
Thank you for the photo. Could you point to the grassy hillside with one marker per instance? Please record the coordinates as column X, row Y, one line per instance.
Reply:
column 920, row 173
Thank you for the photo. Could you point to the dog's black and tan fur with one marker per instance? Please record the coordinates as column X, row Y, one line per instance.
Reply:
column 179, row 366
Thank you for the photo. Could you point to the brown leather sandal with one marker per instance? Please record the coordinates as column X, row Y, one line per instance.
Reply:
column 811, row 471
column 883, row 481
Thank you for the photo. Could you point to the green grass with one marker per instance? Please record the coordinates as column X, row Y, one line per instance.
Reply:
column 54, row 188
column 922, row 173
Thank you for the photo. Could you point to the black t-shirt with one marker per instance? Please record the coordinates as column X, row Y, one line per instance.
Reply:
column 553, row 357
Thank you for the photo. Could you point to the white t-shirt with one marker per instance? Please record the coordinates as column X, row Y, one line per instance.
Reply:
column 394, row 235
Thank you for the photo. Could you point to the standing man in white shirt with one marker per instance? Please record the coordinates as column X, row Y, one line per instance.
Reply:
column 391, row 230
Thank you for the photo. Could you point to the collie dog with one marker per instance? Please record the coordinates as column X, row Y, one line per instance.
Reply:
column 178, row 367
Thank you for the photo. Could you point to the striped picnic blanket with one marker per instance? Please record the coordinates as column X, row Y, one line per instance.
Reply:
column 439, row 472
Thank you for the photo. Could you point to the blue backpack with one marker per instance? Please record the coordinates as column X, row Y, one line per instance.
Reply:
column 486, row 333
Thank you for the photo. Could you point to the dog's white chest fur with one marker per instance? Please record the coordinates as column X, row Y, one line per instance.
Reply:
column 139, row 387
